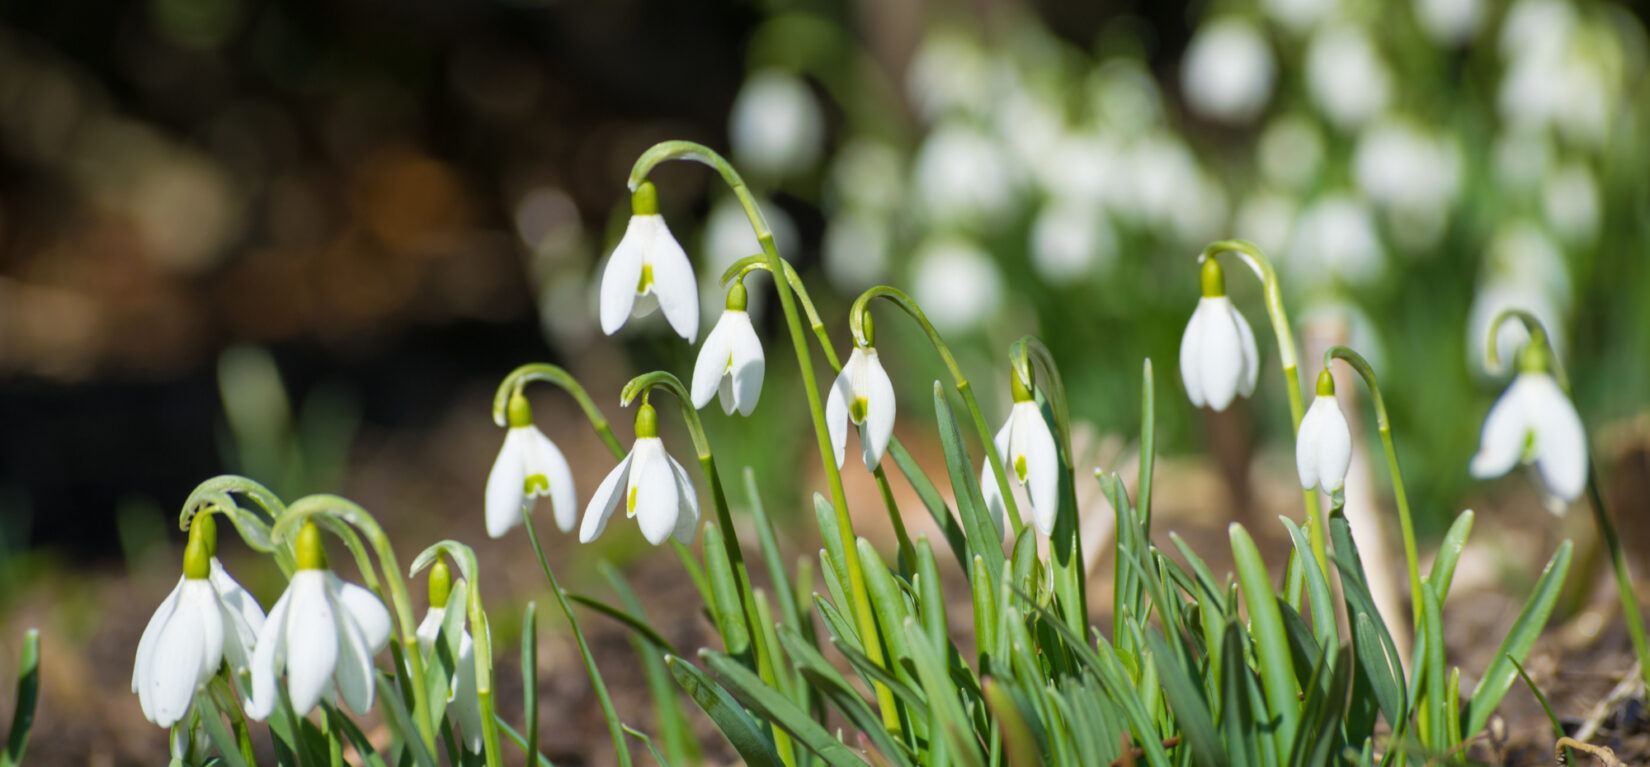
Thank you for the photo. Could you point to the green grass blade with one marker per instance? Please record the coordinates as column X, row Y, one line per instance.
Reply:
column 228, row 750
column 984, row 540
column 1449, row 555
column 1317, row 586
column 638, row 625
column 724, row 590
column 771, row 556
column 530, row 676
column 521, row 743
column 933, row 501
column 1498, row 678
column 1239, row 725
column 748, row 738
column 1277, row 671
column 776, row 708
column 401, row 723
column 28, row 696
column 1185, row 697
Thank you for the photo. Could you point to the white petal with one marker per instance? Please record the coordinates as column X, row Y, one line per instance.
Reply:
column 749, row 366
column 311, row 641
column 657, row 500
column 146, row 643
column 544, row 459
column 724, row 393
column 879, row 410
column 687, row 517
column 430, row 628
column 1332, row 450
column 175, row 664
column 674, row 283
column 505, row 495
column 354, row 674
column 1042, row 465
column 994, row 504
column 1306, row 447
column 1560, row 440
column 236, row 598
column 624, row 272
column 1191, row 356
column 712, row 364
column 1251, row 355
column 836, row 404
column 366, row 609
column 607, row 497
column 1222, row 354
column 199, row 596
column 466, row 704
column 1505, row 429
column 267, row 656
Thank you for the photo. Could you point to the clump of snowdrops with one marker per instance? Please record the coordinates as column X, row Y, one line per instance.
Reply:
column 1193, row 668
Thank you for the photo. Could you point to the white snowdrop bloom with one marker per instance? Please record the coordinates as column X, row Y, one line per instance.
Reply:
column 1266, row 219
column 528, row 467
column 1522, row 157
column 1449, row 22
column 964, row 177
column 207, row 619
column 1298, row 16
column 1323, row 446
column 1218, row 358
column 866, row 175
column 1070, row 241
column 730, row 363
column 1523, row 251
column 1335, row 239
column 957, row 284
column 1537, row 28
column 1079, row 167
column 1027, row 449
column 1030, row 120
column 653, row 487
column 945, row 74
column 1570, row 199
column 1398, row 164
column 1565, row 89
column 649, row 270
column 1495, row 296
column 1228, row 71
column 776, row 126
column 323, row 633
column 1126, row 97
column 1165, row 177
column 1535, row 423
column 855, row 251
column 463, row 703
column 1346, row 77
column 1291, row 151
column 861, row 394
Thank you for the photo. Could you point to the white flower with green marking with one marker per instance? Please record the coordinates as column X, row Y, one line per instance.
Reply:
column 652, row 486
column 1323, row 446
column 1030, row 457
column 731, row 362
column 323, row 633
column 463, row 704
column 1535, row 423
column 862, row 394
column 528, row 466
column 1218, row 359
column 649, row 270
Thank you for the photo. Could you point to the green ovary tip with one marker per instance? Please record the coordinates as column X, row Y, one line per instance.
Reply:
column 520, row 413
column 645, row 200
column 311, row 554
column 441, row 583
column 1214, row 280
column 1326, row 383
column 197, row 556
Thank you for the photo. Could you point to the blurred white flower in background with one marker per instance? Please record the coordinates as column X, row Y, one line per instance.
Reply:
column 1227, row 73
column 1559, row 72
column 1570, row 200
column 1414, row 174
column 1523, row 269
column 1029, row 119
column 946, row 73
column 855, row 251
column 1522, row 156
column 1449, row 22
column 1266, row 219
column 1298, row 16
column 1335, row 241
column 776, row 126
column 1346, row 76
column 956, row 283
column 1125, row 96
column 1170, row 192
column 1494, row 297
column 866, row 174
column 1070, row 241
column 1291, row 151
column 728, row 237
column 1080, row 167
column 964, row 177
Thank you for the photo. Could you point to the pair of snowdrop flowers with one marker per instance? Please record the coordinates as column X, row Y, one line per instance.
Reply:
column 322, row 632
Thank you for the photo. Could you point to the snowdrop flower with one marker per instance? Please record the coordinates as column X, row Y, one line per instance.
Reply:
column 1449, row 22
column 1570, row 200
column 207, row 618
column 655, row 489
column 855, row 250
column 649, row 270
column 1346, row 77
column 1299, row 15
column 527, row 467
column 1069, row 240
column 863, row 394
column 1535, row 423
column 957, row 283
column 1323, row 447
column 1291, row 151
column 1218, row 360
column 1336, row 239
column 945, row 74
column 463, row 703
column 730, row 363
column 323, row 633
column 1027, row 449
column 776, row 126
column 965, row 177
column 1266, row 219
column 1228, row 71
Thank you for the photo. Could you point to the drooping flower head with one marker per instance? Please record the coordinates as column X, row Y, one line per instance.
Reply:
column 1534, row 422
column 654, row 488
column 206, row 619
column 649, row 270
column 862, row 394
column 323, row 633
column 463, row 704
column 731, row 362
column 527, row 467
column 1029, row 455
column 1323, row 447
column 1218, row 359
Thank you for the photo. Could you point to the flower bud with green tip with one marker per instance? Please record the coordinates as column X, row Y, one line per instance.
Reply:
column 1027, row 448
column 1323, row 446
column 463, row 705
column 654, row 488
column 528, row 466
column 1218, row 358
column 649, row 270
column 731, row 361
column 1534, row 422
column 323, row 632
column 207, row 618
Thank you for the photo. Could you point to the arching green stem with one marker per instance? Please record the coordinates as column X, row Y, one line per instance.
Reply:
column 542, row 371
column 355, row 516
column 1601, row 515
column 1258, row 263
column 1383, row 424
column 759, row 263
column 857, row 318
column 481, row 633
column 865, row 619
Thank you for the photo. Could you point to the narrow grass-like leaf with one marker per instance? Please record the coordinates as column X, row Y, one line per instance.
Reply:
column 1241, row 720
column 228, row 750
column 1380, row 666
column 984, row 539
column 1449, row 555
column 1277, row 673
column 680, row 743
column 771, row 556
column 1191, row 710
column 400, row 723
column 638, row 625
column 724, row 590
column 647, row 741
column 776, row 708
column 930, row 596
column 945, row 707
column 1498, row 677
column 933, row 501
column 1320, row 738
column 28, row 694
column 1317, row 586
column 748, row 738
column 521, row 743
column 1022, row 748
column 820, row 674
column 1432, row 705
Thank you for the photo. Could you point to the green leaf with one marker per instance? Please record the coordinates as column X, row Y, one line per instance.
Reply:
column 730, row 614
column 945, row 707
column 771, row 556
column 530, row 676
column 1498, row 678
column 353, row 734
column 1277, row 673
column 823, row 676
column 680, row 743
column 1379, row 662
column 638, row 625
column 775, row 707
column 933, row 501
column 510, row 732
column 1317, row 586
column 28, row 695
column 1238, row 722
column 747, row 737
column 1022, row 747
column 401, row 724
column 1449, row 555
column 984, row 539
column 1191, row 710
column 1433, row 705
column 216, row 732
column 1320, row 738
column 647, row 741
